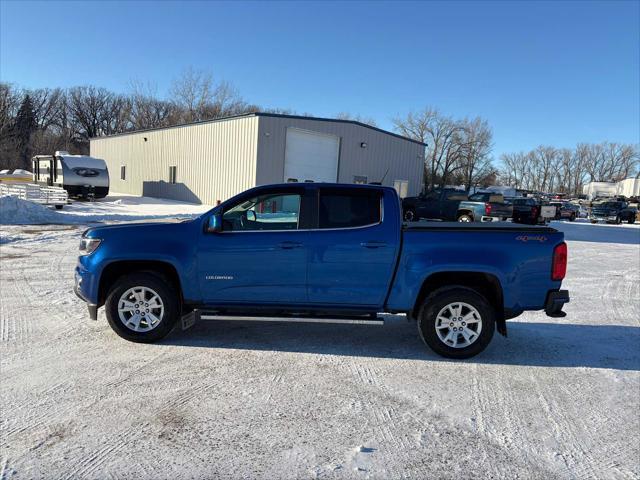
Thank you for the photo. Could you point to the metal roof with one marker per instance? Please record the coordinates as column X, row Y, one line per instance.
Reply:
column 263, row 114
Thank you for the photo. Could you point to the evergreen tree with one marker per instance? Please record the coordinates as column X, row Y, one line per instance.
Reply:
column 23, row 128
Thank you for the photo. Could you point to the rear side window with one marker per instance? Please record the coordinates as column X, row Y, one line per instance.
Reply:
column 479, row 197
column 341, row 208
column 455, row 195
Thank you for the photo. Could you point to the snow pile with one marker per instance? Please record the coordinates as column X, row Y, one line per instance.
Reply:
column 16, row 211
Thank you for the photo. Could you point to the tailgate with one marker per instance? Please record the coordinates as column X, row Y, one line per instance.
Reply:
column 548, row 211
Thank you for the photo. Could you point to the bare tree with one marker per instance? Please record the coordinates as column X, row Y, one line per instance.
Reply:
column 566, row 170
column 147, row 111
column 89, row 108
column 192, row 92
column 443, row 137
column 46, row 106
column 475, row 161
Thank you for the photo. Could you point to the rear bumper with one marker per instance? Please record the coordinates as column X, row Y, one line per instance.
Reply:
column 86, row 190
column 555, row 301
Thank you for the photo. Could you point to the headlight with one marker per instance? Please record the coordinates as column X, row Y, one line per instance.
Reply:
column 89, row 245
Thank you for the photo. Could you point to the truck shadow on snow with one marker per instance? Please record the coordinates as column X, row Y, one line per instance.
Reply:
column 529, row 344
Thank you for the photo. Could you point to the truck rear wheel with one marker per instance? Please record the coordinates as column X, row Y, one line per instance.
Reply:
column 456, row 322
column 142, row 307
column 465, row 217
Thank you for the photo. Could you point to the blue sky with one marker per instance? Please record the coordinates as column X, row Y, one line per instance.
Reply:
column 541, row 72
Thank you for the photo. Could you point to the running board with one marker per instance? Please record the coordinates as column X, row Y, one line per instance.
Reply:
column 192, row 317
column 242, row 318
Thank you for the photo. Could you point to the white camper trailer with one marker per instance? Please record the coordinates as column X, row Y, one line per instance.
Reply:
column 79, row 175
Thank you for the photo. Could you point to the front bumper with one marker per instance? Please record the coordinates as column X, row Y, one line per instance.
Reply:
column 555, row 301
column 81, row 282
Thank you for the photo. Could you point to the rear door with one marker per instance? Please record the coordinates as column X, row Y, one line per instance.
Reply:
column 450, row 204
column 429, row 205
column 353, row 250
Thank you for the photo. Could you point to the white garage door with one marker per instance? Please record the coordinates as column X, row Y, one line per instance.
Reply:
column 311, row 156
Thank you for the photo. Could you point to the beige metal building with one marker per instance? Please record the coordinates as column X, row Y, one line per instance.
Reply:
column 213, row 160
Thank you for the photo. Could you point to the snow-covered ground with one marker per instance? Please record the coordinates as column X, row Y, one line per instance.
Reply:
column 559, row 398
column 114, row 208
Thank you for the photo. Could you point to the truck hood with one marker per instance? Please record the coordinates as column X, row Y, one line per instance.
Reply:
column 136, row 228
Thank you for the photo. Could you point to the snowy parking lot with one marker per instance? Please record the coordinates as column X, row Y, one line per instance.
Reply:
column 558, row 398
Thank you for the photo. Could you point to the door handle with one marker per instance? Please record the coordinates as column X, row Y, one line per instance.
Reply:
column 373, row 244
column 289, row 245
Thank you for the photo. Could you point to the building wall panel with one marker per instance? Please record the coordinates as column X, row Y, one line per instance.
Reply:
column 402, row 158
column 214, row 160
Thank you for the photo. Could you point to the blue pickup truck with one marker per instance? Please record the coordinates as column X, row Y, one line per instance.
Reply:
column 327, row 253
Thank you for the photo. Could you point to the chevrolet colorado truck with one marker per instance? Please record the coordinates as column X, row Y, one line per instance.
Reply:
column 326, row 253
column 449, row 204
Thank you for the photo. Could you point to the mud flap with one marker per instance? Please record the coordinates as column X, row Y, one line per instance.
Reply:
column 189, row 320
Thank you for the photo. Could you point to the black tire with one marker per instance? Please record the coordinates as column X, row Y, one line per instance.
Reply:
column 59, row 207
column 165, row 291
column 410, row 215
column 594, row 221
column 618, row 220
column 439, row 300
column 572, row 218
column 465, row 217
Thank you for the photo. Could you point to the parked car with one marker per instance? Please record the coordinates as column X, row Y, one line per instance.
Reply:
column 499, row 208
column 449, row 204
column 324, row 253
column 612, row 212
column 529, row 211
column 565, row 210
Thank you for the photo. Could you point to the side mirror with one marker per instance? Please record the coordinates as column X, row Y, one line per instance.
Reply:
column 214, row 223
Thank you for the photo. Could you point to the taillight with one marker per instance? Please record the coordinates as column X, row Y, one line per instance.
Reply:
column 487, row 209
column 534, row 212
column 559, row 266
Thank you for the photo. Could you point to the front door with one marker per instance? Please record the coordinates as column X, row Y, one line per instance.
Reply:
column 352, row 253
column 260, row 257
column 429, row 206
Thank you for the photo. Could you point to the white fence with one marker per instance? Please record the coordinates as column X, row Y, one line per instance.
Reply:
column 35, row 193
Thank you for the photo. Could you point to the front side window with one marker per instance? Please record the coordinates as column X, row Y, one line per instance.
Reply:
column 347, row 209
column 277, row 211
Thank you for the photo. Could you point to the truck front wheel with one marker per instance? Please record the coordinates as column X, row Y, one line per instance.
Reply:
column 142, row 307
column 456, row 322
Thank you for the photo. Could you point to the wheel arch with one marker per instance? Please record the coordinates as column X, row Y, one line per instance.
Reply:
column 465, row 211
column 115, row 270
column 486, row 284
